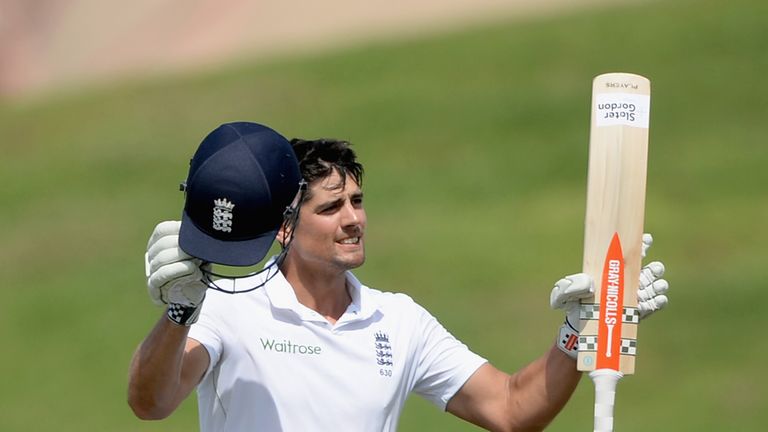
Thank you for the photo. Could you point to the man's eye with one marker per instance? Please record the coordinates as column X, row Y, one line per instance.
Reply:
column 329, row 209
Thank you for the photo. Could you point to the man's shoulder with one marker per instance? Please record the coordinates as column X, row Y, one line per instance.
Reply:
column 391, row 301
column 388, row 295
column 223, row 301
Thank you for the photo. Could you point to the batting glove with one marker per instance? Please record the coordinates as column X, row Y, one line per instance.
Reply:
column 568, row 291
column 173, row 276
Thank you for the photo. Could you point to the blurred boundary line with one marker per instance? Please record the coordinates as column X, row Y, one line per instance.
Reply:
column 48, row 45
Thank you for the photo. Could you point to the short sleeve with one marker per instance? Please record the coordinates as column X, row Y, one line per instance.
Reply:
column 443, row 363
column 205, row 331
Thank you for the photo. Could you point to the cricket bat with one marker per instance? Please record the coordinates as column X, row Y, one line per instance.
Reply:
column 618, row 155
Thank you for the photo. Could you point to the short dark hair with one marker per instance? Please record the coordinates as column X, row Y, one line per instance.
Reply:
column 319, row 159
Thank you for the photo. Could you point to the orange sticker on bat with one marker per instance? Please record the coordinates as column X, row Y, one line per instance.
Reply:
column 611, row 307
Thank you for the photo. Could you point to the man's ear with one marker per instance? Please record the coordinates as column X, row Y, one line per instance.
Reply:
column 283, row 234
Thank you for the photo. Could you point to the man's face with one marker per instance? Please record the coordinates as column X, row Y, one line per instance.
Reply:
column 331, row 225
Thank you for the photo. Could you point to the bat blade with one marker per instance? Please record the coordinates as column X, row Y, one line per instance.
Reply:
column 618, row 153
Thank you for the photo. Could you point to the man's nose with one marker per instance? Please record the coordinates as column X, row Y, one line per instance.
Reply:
column 349, row 214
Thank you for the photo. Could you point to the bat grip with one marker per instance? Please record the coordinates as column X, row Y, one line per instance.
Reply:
column 605, row 394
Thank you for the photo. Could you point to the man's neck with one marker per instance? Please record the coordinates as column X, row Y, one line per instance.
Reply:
column 325, row 292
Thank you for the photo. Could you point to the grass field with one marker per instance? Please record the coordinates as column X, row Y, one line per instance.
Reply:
column 475, row 146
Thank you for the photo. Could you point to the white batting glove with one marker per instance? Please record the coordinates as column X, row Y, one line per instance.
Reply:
column 651, row 296
column 173, row 277
column 569, row 290
column 566, row 295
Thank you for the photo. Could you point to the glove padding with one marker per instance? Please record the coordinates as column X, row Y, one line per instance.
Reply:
column 568, row 291
column 173, row 276
column 651, row 296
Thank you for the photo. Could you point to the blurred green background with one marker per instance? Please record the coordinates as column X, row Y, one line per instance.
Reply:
column 475, row 146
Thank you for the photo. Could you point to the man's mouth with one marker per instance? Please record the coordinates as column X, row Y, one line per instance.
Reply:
column 350, row 240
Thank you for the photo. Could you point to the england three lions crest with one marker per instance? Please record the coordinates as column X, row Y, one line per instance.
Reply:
column 222, row 215
column 383, row 350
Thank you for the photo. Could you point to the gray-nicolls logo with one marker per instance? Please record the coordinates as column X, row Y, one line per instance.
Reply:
column 222, row 215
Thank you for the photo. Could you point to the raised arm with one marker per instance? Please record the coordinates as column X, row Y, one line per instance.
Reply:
column 164, row 370
column 531, row 398
column 167, row 365
column 525, row 401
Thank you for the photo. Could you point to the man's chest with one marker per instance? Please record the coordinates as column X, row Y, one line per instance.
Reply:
column 366, row 364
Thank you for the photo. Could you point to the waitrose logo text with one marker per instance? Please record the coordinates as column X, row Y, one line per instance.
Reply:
column 289, row 347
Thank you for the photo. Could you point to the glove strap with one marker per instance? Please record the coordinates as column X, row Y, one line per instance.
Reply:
column 568, row 340
column 183, row 315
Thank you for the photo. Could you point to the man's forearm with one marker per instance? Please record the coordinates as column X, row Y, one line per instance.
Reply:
column 540, row 390
column 155, row 372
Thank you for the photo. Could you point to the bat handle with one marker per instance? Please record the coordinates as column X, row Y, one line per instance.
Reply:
column 605, row 394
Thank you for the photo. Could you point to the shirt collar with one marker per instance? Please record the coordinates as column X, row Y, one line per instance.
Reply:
column 282, row 296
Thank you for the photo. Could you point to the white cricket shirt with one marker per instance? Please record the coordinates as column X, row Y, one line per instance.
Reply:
column 277, row 365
